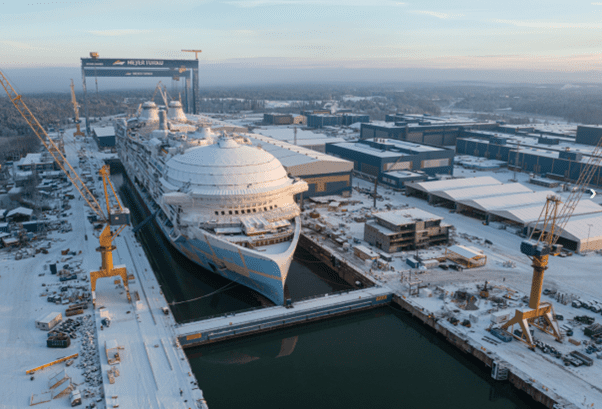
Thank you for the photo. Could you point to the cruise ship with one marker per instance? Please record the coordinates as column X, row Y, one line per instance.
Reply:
column 225, row 204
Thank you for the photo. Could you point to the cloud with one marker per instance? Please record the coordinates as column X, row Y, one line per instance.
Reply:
column 547, row 24
column 115, row 33
column 18, row 45
column 597, row 4
column 444, row 16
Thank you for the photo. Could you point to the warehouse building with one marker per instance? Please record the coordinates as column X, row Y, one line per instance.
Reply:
column 325, row 174
column 589, row 134
column 490, row 200
column 432, row 133
column 277, row 119
column 582, row 233
column 36, row 161
column 376, row 157
column 406, row 229
column 104, row 136
column 321, row 120
column 553, row 157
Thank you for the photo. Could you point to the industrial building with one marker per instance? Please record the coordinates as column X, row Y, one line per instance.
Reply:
column 436, row 131
column 104, row 136
column 589, row 134
column 277, row 119
column 488, row 199
column 582, row 233
column 338, row 119
column 406, row 229
column 300, row 137
column 36, row 161
column 558, row 158
column 324, row 174
column 381, row 157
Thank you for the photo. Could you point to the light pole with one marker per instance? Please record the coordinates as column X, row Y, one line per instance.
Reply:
column 588, row 232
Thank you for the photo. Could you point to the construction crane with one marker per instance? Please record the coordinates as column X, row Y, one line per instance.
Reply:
column 78, row 132
column 549, row 226
column 196, row 53
column 163, row 94
column 115, row 215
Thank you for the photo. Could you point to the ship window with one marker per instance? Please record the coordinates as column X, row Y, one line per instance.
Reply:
column 275, row 206
column 217, row 213
column 243, row 211
column 236, row 212
column 223, row 212
column 271, row 207
column 254, row 210
column 230, row 211
column 265, row 209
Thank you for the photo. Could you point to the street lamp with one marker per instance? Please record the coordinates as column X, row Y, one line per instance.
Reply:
column 588, row 232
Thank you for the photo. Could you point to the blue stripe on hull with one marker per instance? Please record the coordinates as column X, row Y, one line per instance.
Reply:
column 272, row 288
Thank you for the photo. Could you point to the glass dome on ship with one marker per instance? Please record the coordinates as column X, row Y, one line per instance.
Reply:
column 225, row 204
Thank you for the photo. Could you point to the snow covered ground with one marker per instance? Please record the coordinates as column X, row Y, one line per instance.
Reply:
column 153, row 372
column 578, row 276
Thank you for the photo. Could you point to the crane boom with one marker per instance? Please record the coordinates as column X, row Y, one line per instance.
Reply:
column 114, row 217
column 551, row 223
column 52, row 148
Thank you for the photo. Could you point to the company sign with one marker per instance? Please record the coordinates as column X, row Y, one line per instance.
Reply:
column 119, row 72
column 137, row 63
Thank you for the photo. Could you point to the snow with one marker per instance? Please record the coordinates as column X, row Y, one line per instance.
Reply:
column 153, row 367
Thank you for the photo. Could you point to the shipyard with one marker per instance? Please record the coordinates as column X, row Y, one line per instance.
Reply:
column 194, row 229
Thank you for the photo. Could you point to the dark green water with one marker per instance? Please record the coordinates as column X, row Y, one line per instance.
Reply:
column 372, row 359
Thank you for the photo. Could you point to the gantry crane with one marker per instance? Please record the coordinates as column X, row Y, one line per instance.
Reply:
column 549, row 226
column 115, row 215
column 78, row 132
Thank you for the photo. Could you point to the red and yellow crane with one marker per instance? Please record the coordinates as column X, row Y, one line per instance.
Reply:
column 115, row 215
column 541, row 244
column 78, row 132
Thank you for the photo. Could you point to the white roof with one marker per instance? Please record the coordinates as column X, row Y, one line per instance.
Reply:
column 441, row 185
column 405, row 216
column 104, row 131
column 227, row 168
column 20, row 210
column 487, row 204
column 465, row 251
column 368, row 150
column 580, row 227
column 46, row 319
column 483, row 191
column 530, row 213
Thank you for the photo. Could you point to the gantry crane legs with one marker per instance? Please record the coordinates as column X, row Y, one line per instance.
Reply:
column 116, row 216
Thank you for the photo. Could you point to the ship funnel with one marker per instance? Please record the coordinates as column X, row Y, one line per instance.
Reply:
column 176, row 113
column 150, row 112
column 162, row 120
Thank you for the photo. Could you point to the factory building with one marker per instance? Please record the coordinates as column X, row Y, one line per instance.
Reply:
column 277, row 119
column 321, row 120
column 104, row 136
column 589, row 134
column 553, row 157
column 488, row 199
column 380, row 157
column 406, row 229
column 431, row 133
column 325, row 174
column 582, row 233
column 36, row 161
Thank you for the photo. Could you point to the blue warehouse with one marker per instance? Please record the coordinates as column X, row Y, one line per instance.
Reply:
column 381, row 157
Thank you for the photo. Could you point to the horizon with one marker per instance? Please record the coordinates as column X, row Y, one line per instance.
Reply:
column 271, row 41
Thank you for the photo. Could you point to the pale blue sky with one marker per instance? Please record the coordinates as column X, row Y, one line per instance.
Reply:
column 527, row 35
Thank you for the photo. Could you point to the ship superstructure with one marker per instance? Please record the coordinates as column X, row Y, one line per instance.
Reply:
column 225, row 204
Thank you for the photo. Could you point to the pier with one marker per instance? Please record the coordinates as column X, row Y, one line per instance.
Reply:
column 268, row 319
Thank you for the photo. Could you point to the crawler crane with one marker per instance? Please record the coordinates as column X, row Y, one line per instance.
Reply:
column 115, row 215
column 549, row 226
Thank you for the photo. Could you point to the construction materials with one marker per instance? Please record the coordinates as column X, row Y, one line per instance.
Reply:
column 49, row 321
column 61, row 340
column 57, row 361
column 116, row 214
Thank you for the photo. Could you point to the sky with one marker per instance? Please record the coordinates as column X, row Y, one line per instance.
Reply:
column 279, row 40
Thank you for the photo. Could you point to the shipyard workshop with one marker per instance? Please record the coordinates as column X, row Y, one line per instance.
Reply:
column 512, row 205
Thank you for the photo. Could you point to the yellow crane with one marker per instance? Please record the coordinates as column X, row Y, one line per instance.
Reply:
column 550, row 224
column 196, row 53
column 78, row 132
column 115, row 215
column 163, row 93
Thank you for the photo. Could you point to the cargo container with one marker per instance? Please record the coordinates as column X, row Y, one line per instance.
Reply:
column 49, row 321
column 58, row 341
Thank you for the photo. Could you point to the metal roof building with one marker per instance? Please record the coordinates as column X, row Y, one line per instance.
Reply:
column 583, row 233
